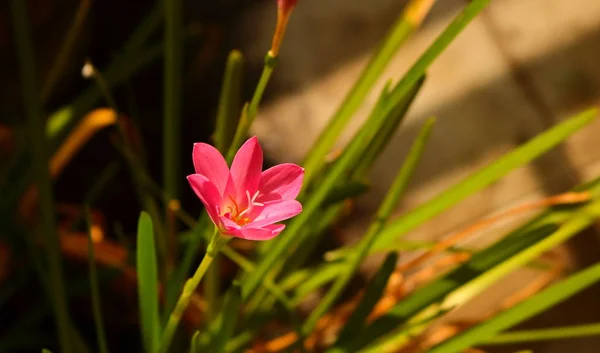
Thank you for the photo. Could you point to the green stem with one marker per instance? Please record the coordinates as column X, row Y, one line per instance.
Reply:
column 172, row 119
column 189, row 288
column 95, row 288
column 250, row 110
column 38, row 141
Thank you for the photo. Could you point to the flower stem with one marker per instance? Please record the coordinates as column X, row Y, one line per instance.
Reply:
column 215, row 245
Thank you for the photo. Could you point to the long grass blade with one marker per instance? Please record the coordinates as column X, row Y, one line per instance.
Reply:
column 546, row 334
column 520, row 312
column 405, row 25
column 228, row 112
column 148, row 283
column 484, row 177
column 373, row 293
column 35, row 125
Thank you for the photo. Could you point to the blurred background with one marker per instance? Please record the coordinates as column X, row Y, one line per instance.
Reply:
column 519, row 68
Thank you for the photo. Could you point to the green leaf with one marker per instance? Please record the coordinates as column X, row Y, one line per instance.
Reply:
column 386, row 208
column 547, row 334
column 196, row 345
column 520, row 312
column 147, row 283
column 349, row 190
column 95, row 289
column 485, row 267
column 484, row 177
column 373, row 293
column 228, row 113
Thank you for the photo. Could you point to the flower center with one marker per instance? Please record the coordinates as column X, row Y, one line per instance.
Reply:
column 242, row 217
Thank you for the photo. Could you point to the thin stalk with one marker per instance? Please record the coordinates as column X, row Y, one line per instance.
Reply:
column 189, row 288
column 38, row 141
column 250, row 110
column 406, row 24
column 95, row 288
column 172, row 120
column 229, row 102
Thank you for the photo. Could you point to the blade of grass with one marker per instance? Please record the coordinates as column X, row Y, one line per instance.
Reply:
column 172, row 119
column 388, row 205
column 482, row 178
column 229, row 102
column 95, row 288
column 485, row 267
column 35, row 124
column 373, row 293
column 406, row 24
column 546, row 334
column 147, row 283
column 522, row 311
column 195, row 346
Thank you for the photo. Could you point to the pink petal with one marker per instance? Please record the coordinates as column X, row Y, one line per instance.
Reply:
column 281, row 182
column 208, row 194
column 229, row 227
column 209, row 162
column 263, row 233
column 276, row 211
column 246, row 168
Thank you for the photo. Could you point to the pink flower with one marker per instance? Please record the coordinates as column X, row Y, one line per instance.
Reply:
column 244, row 201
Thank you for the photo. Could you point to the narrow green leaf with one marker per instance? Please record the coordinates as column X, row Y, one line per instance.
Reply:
column 387, row 131
column 227, row 320
column 44, row 350
column 397, row 35
column 228, row 113
column 147, row 283
column 455, row 287
column 520, row 312
column 95, row 289
column 373, row 293
column 349, row 190
column 388, row 205
column 547, row 334
column 484, row 177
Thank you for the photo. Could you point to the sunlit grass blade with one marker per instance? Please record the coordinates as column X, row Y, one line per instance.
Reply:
column 35, row 125
column 520, row 312
column 196, row 346
column 372, row 294
column 95, row 288
column 378, row 144
column 406, row 24
column 388, row 205
column 545, row 334
column 228, row 112
column 147, row 283
column 487, row 266
column 484, row 177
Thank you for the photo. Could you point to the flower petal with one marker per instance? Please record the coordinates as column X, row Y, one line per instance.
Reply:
column 276, row 211
column 229, row 227
column 209, row 162
column 281, row 182
column 246, row 168
column 208, row 194
column 263, row 233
